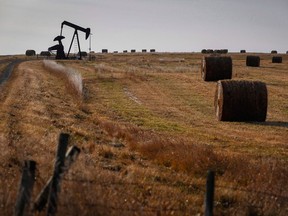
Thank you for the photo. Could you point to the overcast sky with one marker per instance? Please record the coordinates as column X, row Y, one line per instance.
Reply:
column 165, row 25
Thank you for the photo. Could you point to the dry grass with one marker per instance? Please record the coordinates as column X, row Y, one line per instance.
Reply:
column 74, row 79
column 148, row 135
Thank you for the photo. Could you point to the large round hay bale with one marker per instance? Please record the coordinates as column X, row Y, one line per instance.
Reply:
column 125, row 51
column 242, row 51
column 133, row 50
column 215, row 68
column 45, row 53
column 203, row 51
column 144, row 50
column 253, row 61
column 241, row 100
column 30, row 53
column 276, row 59
column 104, row 50
column 152, row 50
column 286, row 52
column 274, row 51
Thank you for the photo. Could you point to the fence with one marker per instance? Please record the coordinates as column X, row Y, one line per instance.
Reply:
column 49, row 194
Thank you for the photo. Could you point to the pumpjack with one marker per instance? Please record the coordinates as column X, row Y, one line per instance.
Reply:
column 60, row 48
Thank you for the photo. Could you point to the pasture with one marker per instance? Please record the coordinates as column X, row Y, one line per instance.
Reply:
column 148, row 134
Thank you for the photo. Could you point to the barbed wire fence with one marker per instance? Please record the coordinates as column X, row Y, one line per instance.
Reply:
column 216, row 197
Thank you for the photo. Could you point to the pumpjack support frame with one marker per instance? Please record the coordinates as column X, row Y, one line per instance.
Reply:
column 77, row 28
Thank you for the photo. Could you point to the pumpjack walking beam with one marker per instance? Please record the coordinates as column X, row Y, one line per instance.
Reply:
column 76, row 27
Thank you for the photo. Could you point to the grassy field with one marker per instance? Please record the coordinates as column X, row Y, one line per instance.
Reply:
column 147, row 129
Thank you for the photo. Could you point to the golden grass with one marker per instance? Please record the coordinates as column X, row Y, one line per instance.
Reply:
column 148, row 135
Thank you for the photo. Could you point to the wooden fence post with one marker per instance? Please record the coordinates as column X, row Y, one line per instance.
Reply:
column 58, row 169
column 209, row 198
column 25, row 188
column 42, row 198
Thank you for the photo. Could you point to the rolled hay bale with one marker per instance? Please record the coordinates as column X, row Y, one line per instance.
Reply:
column 224, row 51
column 274, row 52
column 30, row 53
column 45, row 53
column 203, row 51
column 133, row 50
column 276, row 59
column 210, row 51
column 286, row 52
column 125, row 51
column 215, row 68
column 253, row 61
column 152, row 50
column 241, row 100
column 144, row 50
column 104, row 50
column 242, row 51
column 83, row 54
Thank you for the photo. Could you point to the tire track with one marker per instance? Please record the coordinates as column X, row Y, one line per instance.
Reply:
column 8, row 70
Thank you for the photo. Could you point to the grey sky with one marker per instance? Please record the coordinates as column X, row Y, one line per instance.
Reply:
column 166, row 25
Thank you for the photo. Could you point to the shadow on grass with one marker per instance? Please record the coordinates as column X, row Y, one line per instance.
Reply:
column 272, row 123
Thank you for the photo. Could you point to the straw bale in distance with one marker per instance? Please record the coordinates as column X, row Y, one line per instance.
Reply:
column 276, row 59
column 215, row 68
column 45, row 53
column 253, row 61
column 30, row 53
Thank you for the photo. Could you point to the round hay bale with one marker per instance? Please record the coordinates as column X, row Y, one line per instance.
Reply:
column 125, row 51
column 286, row 52
column 203, row 51
column 242, row 51
column 144, row 50
column 133, row 51
column 152, row 50
column 30, row 53
column 115, row 52
column 104, row 50
column 83, row 54
column 45, row 53
column 276, row 59
column 241, row 100
column 253, row 61
column 215, row 68
column 224, row 51
column 210, row 51
column 274, row 51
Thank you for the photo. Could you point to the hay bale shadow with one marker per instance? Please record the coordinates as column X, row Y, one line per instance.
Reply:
column 271, row 123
